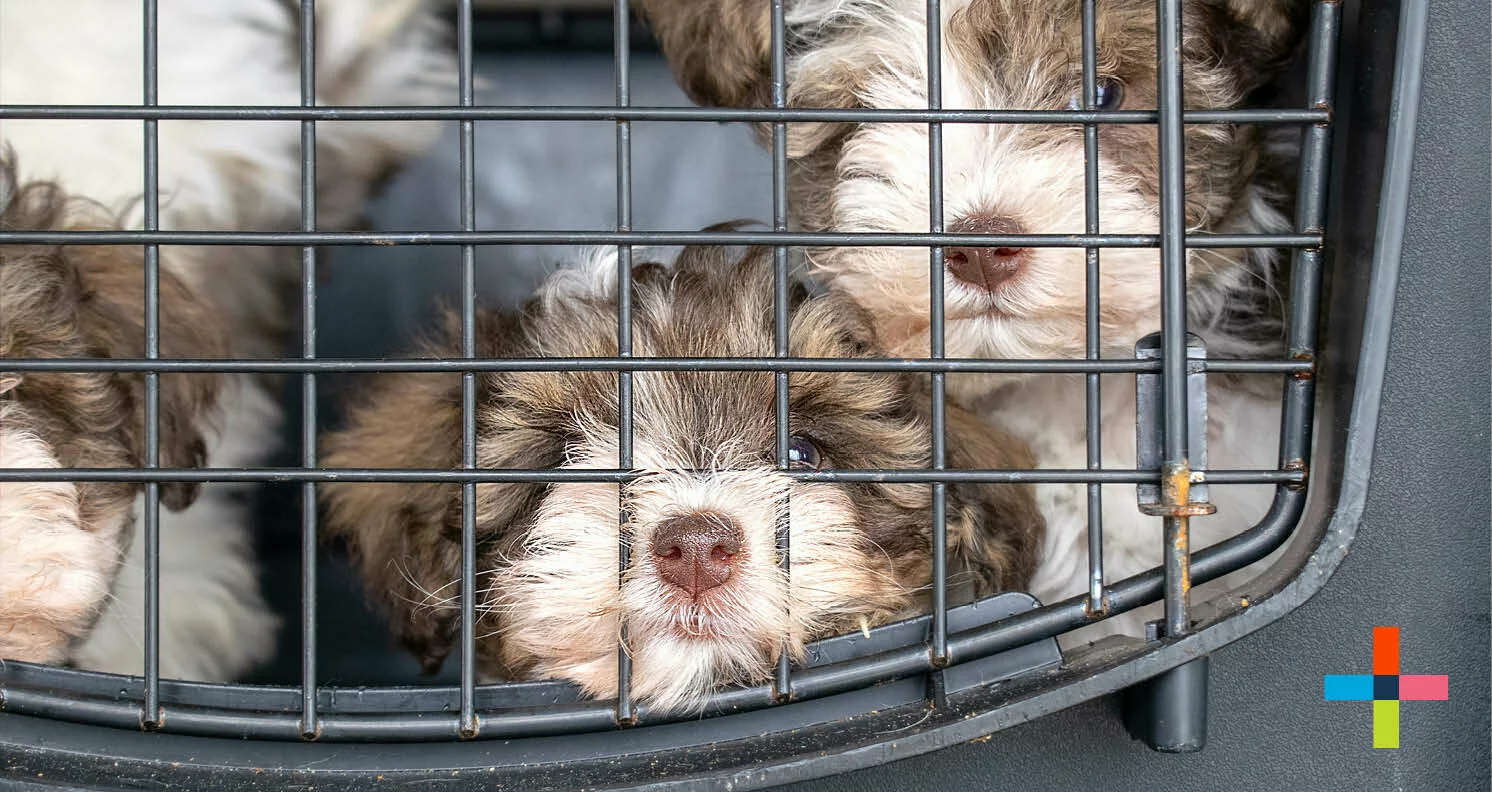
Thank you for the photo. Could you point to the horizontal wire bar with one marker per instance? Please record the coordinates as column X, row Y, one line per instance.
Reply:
column 593, row 716
column 662, row 238
column 610, row 476
column 744, row 364
column 612, row 113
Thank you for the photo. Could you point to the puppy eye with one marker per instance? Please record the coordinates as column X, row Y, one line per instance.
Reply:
column 1110, row 96
column 802, row 454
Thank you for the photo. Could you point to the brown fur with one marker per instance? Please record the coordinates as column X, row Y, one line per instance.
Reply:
column 720, row 49
column 405, row 538
column 88, row 302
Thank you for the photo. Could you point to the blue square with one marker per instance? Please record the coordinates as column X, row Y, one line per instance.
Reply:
column 1348, row 687
column 1386, row 687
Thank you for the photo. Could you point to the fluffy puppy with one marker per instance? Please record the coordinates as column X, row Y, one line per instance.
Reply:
column 216, row 175
column 60, row 542
column 1007, row 302
column 704, row 599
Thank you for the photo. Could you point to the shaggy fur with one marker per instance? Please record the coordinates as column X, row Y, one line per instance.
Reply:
column 215, row 175
column 549, row 598
column 1012, row 303
column 60, row 542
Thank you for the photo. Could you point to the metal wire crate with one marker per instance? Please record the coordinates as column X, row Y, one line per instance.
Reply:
column 913, row 680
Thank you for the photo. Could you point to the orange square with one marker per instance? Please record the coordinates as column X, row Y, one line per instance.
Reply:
column 1385, row 651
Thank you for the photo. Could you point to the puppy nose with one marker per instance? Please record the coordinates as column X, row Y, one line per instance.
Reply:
column 984, row 267
column 695, row 552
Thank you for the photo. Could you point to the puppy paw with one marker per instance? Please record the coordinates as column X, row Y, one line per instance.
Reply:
column 54, row 574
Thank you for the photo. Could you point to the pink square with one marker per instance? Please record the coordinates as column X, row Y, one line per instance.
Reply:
column 1423, row 687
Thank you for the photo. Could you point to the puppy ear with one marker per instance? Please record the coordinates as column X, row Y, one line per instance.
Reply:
column 399, row 534
column 994, row 530
column 718, row 49
column 1277, row 24
column 405, row 539
column 112, row 318
column 1255, row 38
column 828, row 78
column 720, row 53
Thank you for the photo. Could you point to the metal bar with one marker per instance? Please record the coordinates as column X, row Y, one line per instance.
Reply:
column 938, row 647
column 661, row 238
column 1131, row 593
column 639, row 113
column 625, row 711
column 589, row 475
column 866, row 365
column 308, row 725
column 151, row 714
column 468, row 726
column 1310, row 212
column 1093, row 340
column 816, row 682
column 1173, row 301
column 782, row 678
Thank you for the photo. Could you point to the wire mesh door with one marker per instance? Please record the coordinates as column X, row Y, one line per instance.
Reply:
column 890, row 679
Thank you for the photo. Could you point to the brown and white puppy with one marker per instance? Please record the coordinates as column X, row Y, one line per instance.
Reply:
column 216, row 175
column 704, row 599
column 1006, row 302
column 61, row 543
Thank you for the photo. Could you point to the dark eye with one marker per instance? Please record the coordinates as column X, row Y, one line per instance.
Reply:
column 1110, row 96
column 802, row 454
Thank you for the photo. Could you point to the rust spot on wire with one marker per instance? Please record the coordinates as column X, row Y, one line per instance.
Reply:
column 154, row 725
column 1182, row 546
column 1304, row 357
column 1175, row 495
column 1298, row 466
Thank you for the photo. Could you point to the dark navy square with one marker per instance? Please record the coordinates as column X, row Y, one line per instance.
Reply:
column 1386, row 688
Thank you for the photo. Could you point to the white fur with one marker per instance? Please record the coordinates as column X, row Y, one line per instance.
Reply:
column 214, row 622
column 560, row 600
column 1047, row 412
column 53, row 572
column 213, row 175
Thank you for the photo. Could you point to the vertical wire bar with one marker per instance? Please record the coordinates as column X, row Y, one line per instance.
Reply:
column 468, row 724
column 1173, row 302
column 1094, row 340
column 309, row 719
column 939, row 646
column 151, row 715
column 1310, row 213
column 783, row 680
column 622, row 50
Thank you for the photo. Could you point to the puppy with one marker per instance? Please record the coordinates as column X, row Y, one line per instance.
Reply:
column 216, row 176
column 704, row 600
column 1006, row 302
column 61, row 543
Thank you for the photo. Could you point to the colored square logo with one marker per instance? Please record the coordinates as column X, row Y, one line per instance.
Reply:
column 1386, row 687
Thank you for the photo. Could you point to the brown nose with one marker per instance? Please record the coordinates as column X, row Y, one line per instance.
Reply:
column 695, row 552
column 984, row 267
